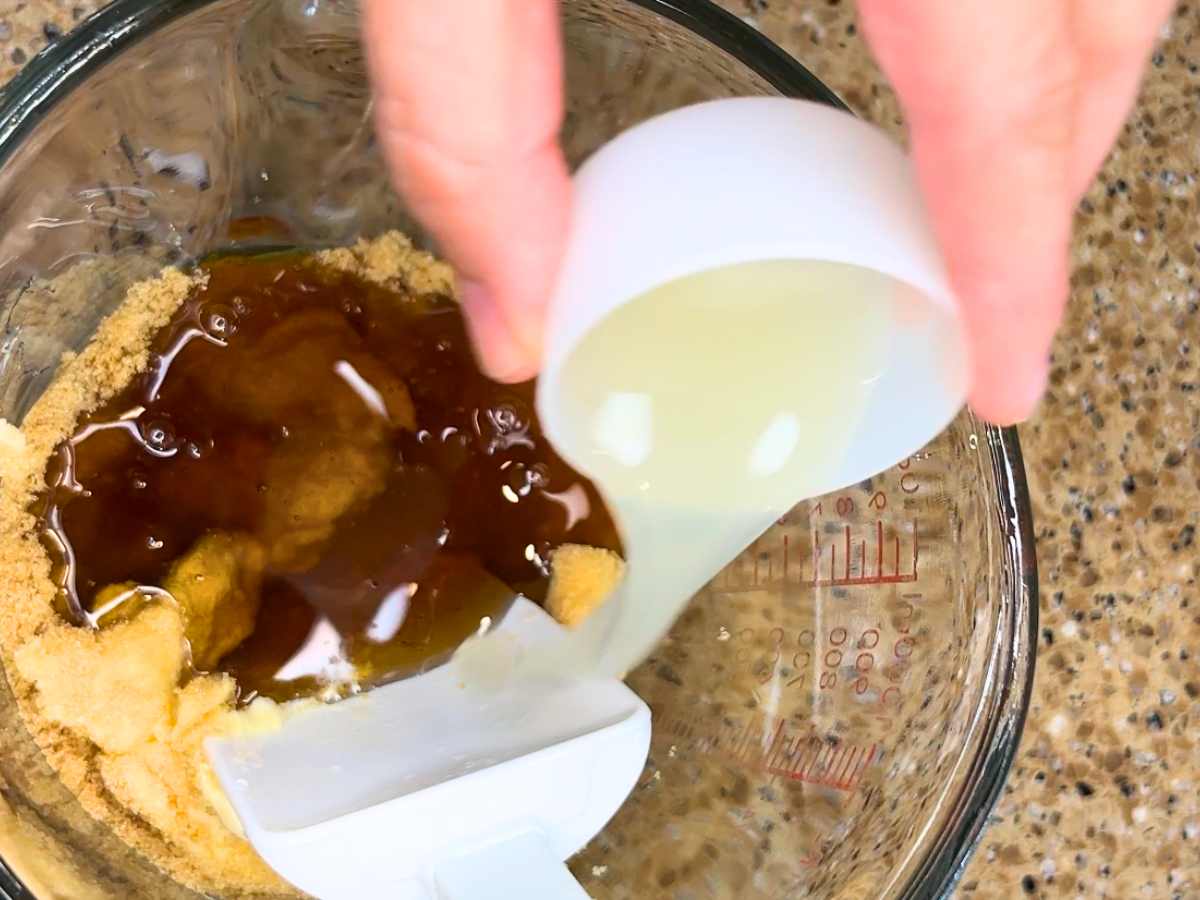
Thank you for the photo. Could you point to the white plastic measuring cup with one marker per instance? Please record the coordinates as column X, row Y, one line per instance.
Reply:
column 797, row 233
column 749, row 285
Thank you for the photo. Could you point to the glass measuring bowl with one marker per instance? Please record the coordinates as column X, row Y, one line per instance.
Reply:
column 834, row 715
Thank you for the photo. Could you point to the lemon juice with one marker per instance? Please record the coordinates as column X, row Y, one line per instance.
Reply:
column 706, row 408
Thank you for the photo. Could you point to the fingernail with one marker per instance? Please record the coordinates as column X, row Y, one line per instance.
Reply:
column 499, row 354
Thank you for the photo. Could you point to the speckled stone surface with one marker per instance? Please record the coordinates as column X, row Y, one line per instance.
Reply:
column 1104, row 798
column 27, row 26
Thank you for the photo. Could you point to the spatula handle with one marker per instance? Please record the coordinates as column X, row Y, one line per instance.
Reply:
column 521, row 866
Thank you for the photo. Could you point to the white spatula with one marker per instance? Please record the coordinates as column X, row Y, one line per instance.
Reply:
column 428, row 789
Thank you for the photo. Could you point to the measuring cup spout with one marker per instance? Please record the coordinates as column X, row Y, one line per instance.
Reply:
column 670, row 558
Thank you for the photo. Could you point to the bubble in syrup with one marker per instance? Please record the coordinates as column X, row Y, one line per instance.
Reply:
column 159, row 436
column 503, row 426
column 505, row 419
column 219, row 322
column 518, row 478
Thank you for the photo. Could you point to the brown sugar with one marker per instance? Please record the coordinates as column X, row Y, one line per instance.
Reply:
column 78, row 674
column 120, row 350
column 582, row 578
column 261, row 453
column 216, row 584
column 66, row 679
column 391, row 260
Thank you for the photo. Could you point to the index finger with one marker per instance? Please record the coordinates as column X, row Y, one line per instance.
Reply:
column 469, row 104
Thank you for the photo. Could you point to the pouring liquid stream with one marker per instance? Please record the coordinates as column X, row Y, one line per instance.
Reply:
column 703, row 410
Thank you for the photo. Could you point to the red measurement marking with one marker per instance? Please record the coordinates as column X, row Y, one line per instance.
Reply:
column 809, row 860
column 846, row 577
column 775, row 752
column 847, row 562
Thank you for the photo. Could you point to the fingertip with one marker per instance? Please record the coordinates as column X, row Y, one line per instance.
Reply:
column 1012, row 310
column 499, row 352
column 1006, row 392
column 1011, row 327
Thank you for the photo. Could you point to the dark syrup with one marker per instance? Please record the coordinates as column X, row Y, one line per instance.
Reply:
column 275, row 406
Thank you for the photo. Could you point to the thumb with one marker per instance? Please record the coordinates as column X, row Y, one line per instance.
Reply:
column 468, row 107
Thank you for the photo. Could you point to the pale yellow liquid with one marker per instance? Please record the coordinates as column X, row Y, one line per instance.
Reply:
column 708, row 407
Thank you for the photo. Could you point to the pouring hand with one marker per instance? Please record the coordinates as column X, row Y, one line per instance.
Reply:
column 468, row 106
column 1012, row 108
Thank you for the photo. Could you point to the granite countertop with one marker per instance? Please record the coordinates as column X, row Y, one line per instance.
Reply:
column 1104, row 797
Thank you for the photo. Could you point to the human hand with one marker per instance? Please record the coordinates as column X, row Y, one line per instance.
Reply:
column 1012, row 107
column 468, row 108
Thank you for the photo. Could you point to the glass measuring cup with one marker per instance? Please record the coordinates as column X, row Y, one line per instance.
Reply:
column 276, row 88
column 835, row 713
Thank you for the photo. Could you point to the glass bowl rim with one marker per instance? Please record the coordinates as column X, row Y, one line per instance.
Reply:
column 51, row 75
